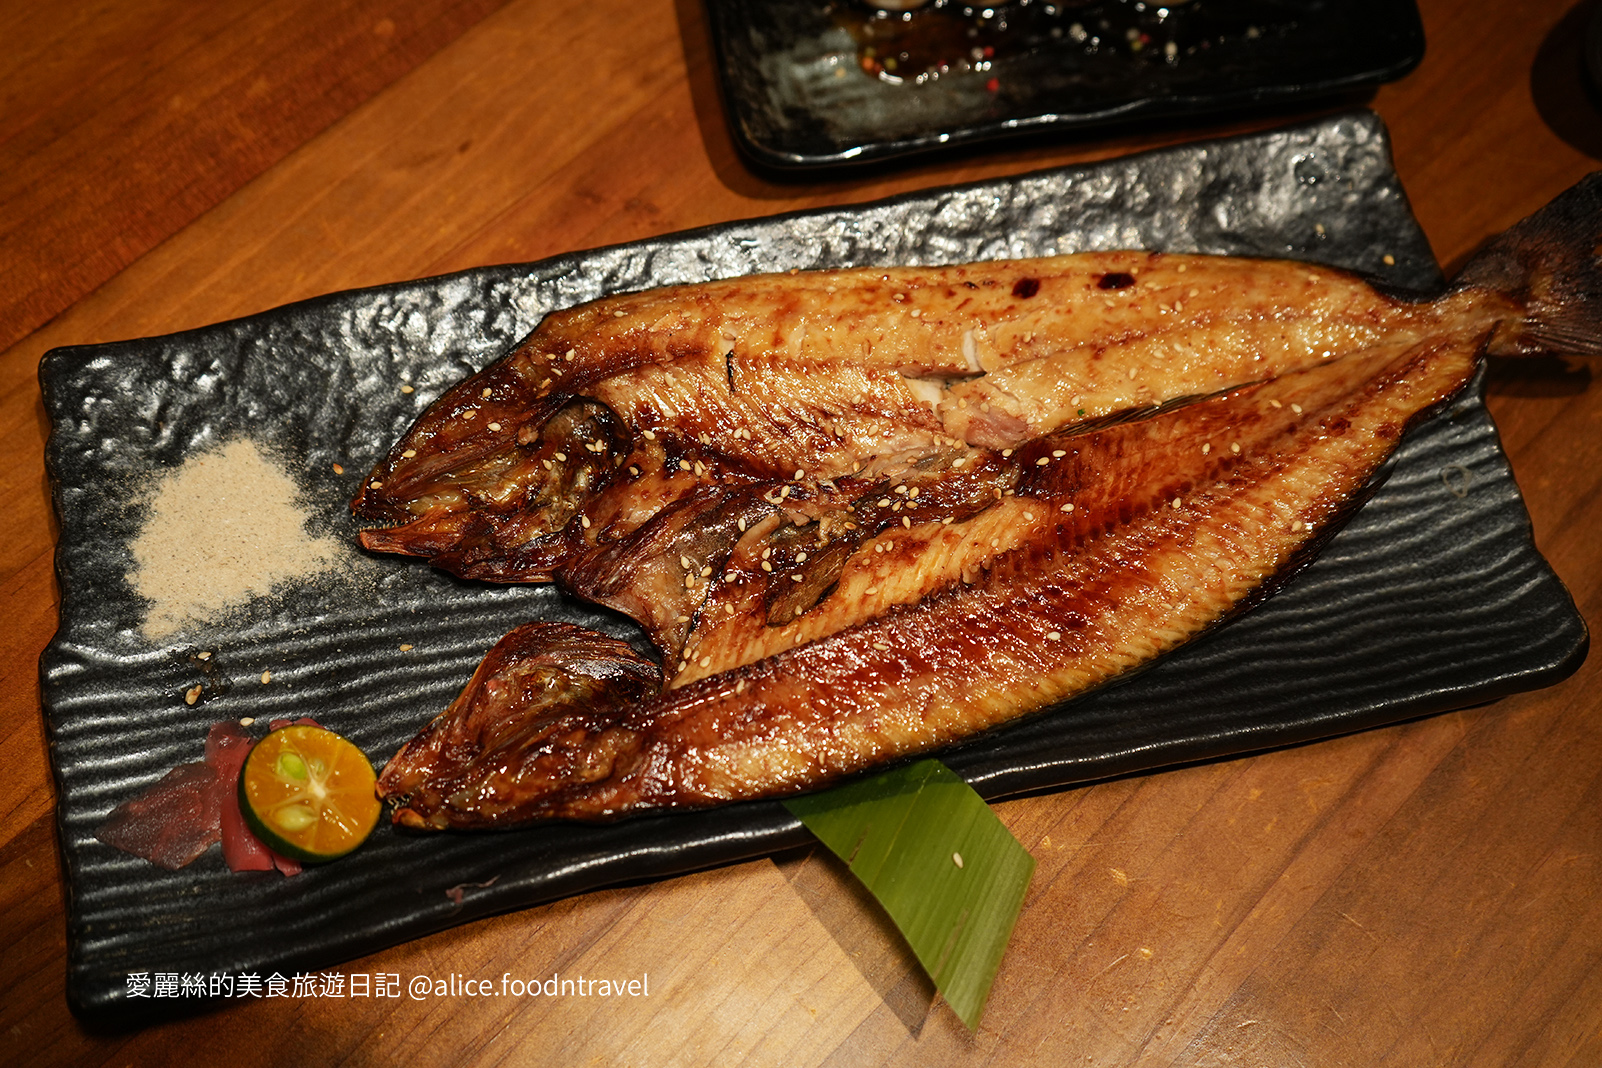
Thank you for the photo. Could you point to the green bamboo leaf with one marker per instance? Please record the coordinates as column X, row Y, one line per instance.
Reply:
column 945, row 869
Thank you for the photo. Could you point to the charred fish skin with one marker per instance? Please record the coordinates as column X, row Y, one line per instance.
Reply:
column 1087, row 550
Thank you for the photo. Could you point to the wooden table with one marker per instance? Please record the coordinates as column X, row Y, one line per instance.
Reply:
column 1424, row 894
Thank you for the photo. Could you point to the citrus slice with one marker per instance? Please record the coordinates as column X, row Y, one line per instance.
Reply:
column 308, row 793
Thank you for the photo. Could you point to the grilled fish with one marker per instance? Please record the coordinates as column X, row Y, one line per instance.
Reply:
column 867, row 513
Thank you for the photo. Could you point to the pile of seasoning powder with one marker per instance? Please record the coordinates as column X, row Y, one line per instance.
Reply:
column 223, row 529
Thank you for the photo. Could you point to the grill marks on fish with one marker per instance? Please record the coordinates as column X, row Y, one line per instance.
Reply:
column 863, row 514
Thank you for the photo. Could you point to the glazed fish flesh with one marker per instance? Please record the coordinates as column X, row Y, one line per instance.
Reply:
column 867, row 513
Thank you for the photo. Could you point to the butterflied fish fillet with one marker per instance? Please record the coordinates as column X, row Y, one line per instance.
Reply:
column 867, row 513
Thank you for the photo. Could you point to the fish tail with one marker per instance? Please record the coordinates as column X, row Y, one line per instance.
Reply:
column 1550, row 266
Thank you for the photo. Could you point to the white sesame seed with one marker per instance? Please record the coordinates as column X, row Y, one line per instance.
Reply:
column 956, row 858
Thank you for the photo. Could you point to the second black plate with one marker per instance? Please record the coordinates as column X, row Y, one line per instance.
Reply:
column 821, row 83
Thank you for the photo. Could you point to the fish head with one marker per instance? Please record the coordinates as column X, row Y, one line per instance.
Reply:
column 489, row 480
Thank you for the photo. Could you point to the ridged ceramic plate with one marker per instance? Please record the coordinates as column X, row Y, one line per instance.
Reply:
column 824, row 83
column 1433, row 597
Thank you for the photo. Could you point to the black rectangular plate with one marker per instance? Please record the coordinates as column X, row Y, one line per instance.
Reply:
column 798, row 97
column 1432, row 597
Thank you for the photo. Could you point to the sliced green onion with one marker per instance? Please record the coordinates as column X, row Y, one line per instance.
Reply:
column 949, row 874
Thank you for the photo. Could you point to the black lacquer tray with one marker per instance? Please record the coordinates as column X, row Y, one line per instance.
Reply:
column 805, row 82
column 1433, row 597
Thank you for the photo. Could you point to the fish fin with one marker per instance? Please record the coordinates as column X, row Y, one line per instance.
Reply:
column 1550, row 265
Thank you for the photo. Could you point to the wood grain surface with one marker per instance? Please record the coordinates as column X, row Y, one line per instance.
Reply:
column 1426, row 894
